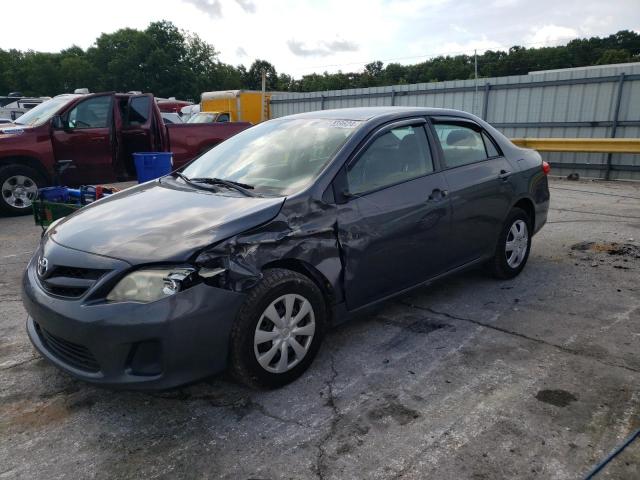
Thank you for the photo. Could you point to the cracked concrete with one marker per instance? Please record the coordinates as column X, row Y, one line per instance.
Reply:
column 320, row 467
column 470, row 378
column 521, row 335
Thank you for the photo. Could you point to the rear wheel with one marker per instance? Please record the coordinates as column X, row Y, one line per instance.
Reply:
column 18, row 189
column 278, row 330
column 514, row 244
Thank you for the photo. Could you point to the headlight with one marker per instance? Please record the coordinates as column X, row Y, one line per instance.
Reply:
column 151, row 284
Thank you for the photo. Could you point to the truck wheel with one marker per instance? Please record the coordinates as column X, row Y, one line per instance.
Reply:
column 278, row 330
column 18, row 189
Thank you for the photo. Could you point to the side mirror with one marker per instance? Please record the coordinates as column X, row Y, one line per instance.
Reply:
column 57, row 123
column 344, row 195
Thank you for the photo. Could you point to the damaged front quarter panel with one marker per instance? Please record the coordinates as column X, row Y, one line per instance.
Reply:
column 303, row 235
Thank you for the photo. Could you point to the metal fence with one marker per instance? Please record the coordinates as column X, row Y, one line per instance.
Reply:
column 590, row 102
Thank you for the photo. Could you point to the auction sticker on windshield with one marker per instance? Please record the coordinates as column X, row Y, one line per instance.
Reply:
column 344, row 124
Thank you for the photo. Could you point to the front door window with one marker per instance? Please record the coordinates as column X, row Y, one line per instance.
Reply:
column 92, row 113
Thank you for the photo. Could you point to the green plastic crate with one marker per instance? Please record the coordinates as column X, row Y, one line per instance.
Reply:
column 45, row 213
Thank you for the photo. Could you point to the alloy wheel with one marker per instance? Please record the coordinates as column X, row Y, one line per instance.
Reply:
column 19, row 191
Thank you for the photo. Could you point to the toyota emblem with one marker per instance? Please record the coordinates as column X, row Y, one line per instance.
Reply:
column 43, row 266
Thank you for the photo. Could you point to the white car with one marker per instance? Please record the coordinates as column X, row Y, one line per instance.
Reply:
column 12, row 107
column 189, row 111
column 170, row 117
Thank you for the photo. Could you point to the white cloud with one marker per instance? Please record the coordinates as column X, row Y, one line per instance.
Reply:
column 505, row 3
column 322, row 49
column 213, row 8
column 247, row 5
column 596, row 23
column 551, row 35
column 325, row 33
column 480, row 45
column 459, row 29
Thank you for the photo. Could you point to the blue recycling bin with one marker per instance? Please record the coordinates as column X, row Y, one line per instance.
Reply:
column 151, row 165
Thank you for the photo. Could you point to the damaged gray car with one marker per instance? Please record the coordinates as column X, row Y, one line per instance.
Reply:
column 244, row 257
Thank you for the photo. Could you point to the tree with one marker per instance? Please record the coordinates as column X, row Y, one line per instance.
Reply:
column 253, row 78
column 394, row 74
column 374, row 69
column 167, row 61
column 121, row 58
column 613, row 55
column 285, row 82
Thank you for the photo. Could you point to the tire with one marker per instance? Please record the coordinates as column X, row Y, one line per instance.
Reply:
column 18, row 188
column 517, row 230
column 266, row 300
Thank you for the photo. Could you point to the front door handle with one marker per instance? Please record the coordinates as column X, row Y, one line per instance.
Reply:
column 437, row 195
column 504, row 174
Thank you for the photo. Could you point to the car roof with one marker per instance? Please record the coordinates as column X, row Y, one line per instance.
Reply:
column 370, row 113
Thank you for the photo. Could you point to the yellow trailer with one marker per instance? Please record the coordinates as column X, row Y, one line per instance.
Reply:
column 236, row 106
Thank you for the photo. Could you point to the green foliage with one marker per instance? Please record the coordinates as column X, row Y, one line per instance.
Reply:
column 253, row 78
column 167, row 61
column 620, row 47
column 160, row 59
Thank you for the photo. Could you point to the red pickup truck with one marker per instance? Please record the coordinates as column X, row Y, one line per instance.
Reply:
column 98, row 133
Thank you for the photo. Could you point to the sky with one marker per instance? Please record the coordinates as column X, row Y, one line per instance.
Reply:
column 301, row 37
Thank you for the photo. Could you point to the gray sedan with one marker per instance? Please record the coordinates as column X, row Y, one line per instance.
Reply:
column 244, row 257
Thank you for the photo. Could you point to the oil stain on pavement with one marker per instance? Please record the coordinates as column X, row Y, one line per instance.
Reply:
column 559, row 398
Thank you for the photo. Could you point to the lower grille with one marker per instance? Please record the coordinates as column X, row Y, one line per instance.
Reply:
column 75, row 355
column 64, row 291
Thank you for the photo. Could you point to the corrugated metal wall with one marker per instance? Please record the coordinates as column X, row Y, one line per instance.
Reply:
column 576, row 102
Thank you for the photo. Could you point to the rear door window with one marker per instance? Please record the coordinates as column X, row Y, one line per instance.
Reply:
column 461, row 145
column 139, row 110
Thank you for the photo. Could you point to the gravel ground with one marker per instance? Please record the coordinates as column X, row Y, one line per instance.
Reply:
column 537, row 377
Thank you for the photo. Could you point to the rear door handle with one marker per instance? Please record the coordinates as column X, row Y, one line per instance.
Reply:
column 437, row 195
column 504, row 175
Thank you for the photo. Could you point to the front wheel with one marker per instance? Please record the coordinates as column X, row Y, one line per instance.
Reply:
column 278, row 330
column 18, row 189
column 514, row 245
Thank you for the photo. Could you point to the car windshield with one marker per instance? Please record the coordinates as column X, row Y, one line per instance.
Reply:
column 278, row 157
column 43, row 112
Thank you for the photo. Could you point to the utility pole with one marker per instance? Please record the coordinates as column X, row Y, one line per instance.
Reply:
column 475, row 95
column 264, row 87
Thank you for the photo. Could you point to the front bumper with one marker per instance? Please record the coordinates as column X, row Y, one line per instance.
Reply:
column 163, row 344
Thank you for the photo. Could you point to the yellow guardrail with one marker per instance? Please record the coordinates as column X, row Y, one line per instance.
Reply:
column 589, row 145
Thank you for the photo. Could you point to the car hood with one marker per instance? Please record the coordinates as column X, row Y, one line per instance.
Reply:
column 161, row 222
